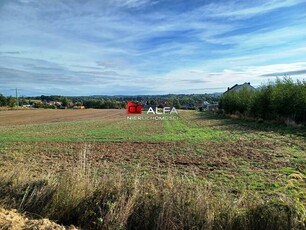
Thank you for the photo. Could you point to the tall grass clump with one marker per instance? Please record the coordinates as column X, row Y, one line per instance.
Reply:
column 104, row 200
column 283, row 101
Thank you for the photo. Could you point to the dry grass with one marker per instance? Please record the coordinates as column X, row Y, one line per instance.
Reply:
column 100, row 200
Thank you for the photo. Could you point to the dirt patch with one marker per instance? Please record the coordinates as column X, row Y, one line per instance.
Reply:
column 39, row 116
column 45, row 157
column 12, row 220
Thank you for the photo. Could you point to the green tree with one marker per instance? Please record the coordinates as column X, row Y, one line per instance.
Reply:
column 176, row 103
column 262, row 106
column 3, row 101
column 65, row 102
column 11, row 101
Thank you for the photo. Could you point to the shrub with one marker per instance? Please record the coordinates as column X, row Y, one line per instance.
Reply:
column 284, row 100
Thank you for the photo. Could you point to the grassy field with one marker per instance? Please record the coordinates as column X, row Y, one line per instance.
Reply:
column 95, row 169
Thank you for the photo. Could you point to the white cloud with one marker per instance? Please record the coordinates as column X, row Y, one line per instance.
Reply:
column 133, row 3
column 242, row 10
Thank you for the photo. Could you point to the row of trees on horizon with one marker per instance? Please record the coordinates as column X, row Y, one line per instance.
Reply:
column 110, row 102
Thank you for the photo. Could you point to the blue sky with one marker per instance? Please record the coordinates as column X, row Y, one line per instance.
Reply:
column 128, row 47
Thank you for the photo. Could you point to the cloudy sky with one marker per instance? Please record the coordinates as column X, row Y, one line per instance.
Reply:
column 128, row 47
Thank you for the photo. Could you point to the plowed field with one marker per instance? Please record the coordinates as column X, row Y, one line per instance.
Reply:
column 229, row 155
column 38, row 116
column 224, row 151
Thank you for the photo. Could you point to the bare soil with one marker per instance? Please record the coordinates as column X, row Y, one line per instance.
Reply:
column 39, row 116
column 202, row 159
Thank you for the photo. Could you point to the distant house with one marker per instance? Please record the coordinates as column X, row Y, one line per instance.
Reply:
column 237, row 87
column 36, row 102
column 26, row 106
column 205, row 104
column 79, row 107
column 55, row 103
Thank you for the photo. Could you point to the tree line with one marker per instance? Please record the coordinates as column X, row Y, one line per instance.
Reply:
column 190, row 101
column 283, row 100
column 119, row 102
column 178, row 101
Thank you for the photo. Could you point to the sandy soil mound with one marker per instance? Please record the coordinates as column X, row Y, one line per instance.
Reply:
column 11, row 220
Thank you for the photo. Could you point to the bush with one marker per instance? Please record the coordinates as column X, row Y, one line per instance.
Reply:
column 284, row 101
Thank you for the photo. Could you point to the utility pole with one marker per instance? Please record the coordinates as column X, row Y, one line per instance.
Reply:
column 16, row 91
column 17, row 97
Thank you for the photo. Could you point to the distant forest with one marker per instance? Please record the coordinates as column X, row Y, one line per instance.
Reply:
column 181, row 101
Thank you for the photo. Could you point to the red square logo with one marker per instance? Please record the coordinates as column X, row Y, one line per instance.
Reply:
column 133, row 108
